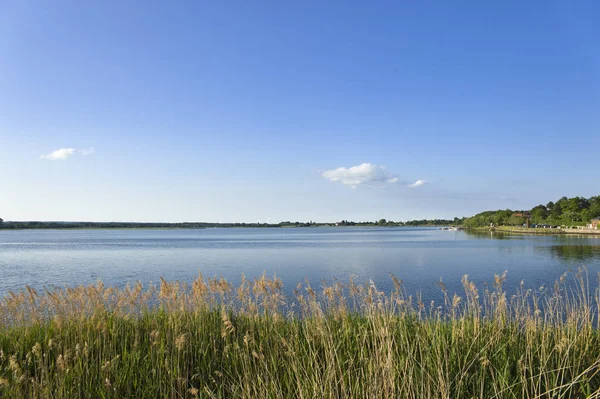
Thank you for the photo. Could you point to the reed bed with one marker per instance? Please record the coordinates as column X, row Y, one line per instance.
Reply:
column 209, row 339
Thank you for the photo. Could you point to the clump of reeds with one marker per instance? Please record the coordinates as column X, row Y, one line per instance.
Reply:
column 213, row 340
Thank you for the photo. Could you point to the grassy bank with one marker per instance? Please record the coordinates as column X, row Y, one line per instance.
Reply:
column 212, row 340
column 540, row 231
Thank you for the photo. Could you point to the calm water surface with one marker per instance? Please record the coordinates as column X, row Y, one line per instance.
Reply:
column 420, row 256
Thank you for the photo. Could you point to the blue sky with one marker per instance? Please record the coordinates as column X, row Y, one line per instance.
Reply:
column 258, row 111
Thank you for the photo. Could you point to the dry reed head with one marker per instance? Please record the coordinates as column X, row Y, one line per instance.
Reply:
column 573, row 304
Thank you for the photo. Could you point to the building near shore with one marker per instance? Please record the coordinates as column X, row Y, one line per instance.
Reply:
column 525, row 214
column 595, row 223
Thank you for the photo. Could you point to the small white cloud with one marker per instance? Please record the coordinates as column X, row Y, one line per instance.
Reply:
column 418, row 183
column 61, row 153
column 65, row 153
column 363, row 173
column 87, row 151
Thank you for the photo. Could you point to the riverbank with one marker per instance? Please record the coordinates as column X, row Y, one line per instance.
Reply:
column 539, row 231
column 8, row 226
column 214, row 340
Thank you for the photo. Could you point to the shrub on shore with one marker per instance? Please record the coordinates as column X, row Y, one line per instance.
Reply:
column 212, row 340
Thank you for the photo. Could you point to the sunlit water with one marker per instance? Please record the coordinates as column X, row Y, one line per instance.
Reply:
column 419, row 256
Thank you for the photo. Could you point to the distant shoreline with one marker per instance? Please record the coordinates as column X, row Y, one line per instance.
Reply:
column 167, row 226
column 539, row 231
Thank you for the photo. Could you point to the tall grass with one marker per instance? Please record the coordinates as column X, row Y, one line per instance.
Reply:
column 212, row 340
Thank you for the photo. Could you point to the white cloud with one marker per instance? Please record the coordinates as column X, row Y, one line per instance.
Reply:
column 65, row 153
column 418, row 183
column 87, row 151
column 61, row 153
column 363, row 173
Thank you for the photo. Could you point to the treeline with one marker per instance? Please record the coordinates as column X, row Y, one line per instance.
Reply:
column 575, row 211
column 123, row 225
column 433, row 222
column 200, row 225
column 422, row 222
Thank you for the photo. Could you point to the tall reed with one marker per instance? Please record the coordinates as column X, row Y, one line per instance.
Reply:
column 209, row 339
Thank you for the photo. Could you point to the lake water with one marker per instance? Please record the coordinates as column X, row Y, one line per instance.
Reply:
column 420, row 256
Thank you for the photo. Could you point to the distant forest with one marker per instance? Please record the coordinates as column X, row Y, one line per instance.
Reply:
column 576, row 211
column 123, row 225
column 384, row 222
column 200, row 225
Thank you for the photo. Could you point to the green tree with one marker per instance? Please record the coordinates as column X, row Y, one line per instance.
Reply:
column 585, row 216
column 556, row 211
column 570, row 218
column 515, row 220
column 501, row 217
column 594, row 207
column 382, row 222
column 539, row 214
column 576, row 204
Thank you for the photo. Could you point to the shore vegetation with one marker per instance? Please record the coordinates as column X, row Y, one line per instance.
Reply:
column 211, row 339
column 575, row 211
